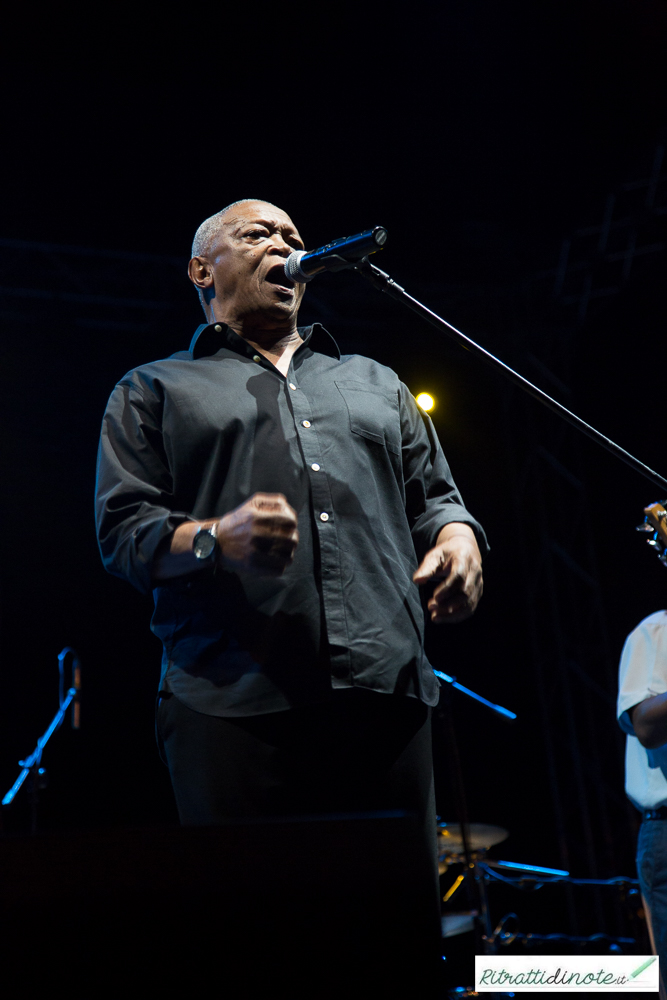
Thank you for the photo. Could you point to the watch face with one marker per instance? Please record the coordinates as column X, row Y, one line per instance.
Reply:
column 204, row 544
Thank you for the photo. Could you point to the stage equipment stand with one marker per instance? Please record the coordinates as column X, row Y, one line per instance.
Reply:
column 31, row 766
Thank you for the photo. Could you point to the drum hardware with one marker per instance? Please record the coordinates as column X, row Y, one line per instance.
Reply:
column 531, row 878
column 452, row 889
column 507, row 931
column 481, row 836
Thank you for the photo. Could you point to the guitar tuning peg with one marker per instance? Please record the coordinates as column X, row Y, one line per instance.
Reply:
column 644, row 527
column 653, row 542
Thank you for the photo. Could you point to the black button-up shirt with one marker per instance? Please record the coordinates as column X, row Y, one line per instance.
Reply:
column 195, row 435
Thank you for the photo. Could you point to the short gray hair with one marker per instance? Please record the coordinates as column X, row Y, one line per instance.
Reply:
column 209, row 229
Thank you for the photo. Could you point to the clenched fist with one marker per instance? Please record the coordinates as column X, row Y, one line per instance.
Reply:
column 260, row 536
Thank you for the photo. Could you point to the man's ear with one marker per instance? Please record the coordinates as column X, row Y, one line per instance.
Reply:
column 200, row 273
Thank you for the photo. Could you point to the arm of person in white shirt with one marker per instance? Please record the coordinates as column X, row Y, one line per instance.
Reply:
column 649, row 721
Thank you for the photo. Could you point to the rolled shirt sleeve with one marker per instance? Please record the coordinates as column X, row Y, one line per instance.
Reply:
column 643, row 667
column 134, row 496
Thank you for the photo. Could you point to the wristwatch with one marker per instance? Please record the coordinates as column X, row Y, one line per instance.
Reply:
column 205, row 543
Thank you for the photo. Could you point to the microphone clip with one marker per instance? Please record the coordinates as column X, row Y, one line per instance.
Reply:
column 335, row 263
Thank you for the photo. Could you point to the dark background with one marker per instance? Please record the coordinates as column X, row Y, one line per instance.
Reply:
column 480, row 134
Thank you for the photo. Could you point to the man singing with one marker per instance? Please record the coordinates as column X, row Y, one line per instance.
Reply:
column 284, row 504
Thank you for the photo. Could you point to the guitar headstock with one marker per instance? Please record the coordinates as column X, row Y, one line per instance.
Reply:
column 655, row 525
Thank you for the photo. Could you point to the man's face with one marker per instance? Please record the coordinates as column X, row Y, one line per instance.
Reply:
column 247, row 260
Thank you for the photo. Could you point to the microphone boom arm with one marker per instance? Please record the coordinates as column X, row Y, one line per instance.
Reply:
column 384, row 283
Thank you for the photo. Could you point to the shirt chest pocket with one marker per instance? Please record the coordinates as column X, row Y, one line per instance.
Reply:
column 373, row 413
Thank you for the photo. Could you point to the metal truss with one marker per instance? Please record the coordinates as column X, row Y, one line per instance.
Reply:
column 575, row 668
column 101, row 289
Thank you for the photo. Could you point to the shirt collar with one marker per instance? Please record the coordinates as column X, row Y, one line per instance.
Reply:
column 210, row 337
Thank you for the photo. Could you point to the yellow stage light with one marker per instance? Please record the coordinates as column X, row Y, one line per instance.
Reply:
column 426, row 401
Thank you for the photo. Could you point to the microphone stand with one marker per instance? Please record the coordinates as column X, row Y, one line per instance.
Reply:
column 384, row 283
column 32, row 764
column 485, row 942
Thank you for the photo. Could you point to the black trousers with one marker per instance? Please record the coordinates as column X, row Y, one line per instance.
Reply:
column 358, row 752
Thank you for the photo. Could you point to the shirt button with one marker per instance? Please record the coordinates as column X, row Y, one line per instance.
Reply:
column 256, row 357
column 292, row 386
column 315, row 467
column 324, row 516
column 306, row 423
column 217, row 328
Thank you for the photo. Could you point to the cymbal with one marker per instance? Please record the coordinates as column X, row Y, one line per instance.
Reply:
column 481, row 836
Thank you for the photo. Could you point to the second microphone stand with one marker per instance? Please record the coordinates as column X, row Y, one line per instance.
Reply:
column 32, row 765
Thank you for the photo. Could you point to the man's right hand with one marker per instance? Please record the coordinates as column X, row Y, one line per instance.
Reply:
column 260, row 536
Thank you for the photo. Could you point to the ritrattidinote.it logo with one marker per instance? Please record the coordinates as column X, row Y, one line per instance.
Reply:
column 567, row 973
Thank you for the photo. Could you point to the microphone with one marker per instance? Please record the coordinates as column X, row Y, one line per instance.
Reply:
column 302, row 265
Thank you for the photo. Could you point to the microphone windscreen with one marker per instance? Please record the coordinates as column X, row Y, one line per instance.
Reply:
column 292, row 269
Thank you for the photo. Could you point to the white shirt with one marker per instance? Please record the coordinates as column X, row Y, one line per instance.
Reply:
column 643, row 674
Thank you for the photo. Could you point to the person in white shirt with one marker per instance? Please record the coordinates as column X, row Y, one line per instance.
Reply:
column 642, row 715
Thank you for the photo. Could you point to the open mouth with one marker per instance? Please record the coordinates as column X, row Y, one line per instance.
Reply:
column 276, row 276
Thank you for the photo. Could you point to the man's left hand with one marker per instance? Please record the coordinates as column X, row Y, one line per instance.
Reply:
column 456, row 561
